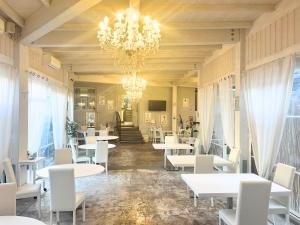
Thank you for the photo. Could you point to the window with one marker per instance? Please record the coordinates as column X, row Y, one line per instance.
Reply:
column 40, row 137
column 289, row 152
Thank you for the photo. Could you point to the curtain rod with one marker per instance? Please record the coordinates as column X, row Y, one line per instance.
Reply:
column 44, row 76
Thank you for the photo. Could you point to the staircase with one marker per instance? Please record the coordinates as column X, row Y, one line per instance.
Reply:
column 131, row 134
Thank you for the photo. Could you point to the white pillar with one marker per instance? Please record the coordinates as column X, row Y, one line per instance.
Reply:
column 174, row 109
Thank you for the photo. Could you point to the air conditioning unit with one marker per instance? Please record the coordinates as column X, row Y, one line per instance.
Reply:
column 52, row 62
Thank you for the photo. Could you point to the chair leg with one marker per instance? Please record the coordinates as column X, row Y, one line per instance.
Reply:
column 57, row 216
column 106, row 168
column 51, row 217
column 273, row 219
column 83, row 211
column 39, row 204
column 74, row 217
column 195, row 200
column 212, row 204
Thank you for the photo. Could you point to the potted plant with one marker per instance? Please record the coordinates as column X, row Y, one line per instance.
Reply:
column 71, row 128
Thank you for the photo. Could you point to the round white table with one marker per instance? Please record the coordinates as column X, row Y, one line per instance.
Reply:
column 19, row 220
column 107, row 138
column 80, row 170
column 93, row 146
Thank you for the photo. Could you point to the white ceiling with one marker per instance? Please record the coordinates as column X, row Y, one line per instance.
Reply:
column 191, row 31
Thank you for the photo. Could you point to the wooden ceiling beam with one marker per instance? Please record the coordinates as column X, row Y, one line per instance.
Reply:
column 11, row 13
column 47, row 19
column 178, row 37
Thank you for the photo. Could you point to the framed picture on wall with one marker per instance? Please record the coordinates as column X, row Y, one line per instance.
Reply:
column 101, row 100
column 90, row 118
column 110, row 105
column 148, row 117
column 185, row 102
column 164, row 119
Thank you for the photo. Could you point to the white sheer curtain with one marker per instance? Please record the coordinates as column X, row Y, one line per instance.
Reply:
column 8, row 86
column 227, row 109
column 267, row 93
column 38, row 110
column 207, row 102
column 59, row 114
column 71, row 104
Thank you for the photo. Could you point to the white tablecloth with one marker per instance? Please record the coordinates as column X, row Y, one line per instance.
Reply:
column 80, row 170
column 19, row 220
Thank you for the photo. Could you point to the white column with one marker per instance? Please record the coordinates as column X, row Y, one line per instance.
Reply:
column 174, row 108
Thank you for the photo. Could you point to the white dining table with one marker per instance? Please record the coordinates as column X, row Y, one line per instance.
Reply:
column 170, row 146
column 93, row 146
column 19, row 220
column 80, row 170
column 189, row 161
column 106, row 138
column 225, row 185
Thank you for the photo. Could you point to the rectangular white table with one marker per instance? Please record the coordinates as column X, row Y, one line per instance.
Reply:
column 173, row 146
column 225, row 185
column 189, row 161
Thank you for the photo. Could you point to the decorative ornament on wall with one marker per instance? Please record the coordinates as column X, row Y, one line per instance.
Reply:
column 186, row 102
column 101, row 100
column 148, row 117
column 164, row 119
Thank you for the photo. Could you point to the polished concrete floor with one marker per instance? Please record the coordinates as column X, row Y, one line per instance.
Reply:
column 136, row 191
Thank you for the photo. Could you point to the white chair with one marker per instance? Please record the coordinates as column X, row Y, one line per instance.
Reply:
column 284, row 176
column 197, row 146
column 169, row 140
column 63, row 196
column 90, row 140
column 8, row 199
column 103, row 132
column 252, row 205
column 203, row 164
column 101, row 153
column 91, row 131
column 23, row 191
column 76, row 158
column 62, row 156
column 234, row 157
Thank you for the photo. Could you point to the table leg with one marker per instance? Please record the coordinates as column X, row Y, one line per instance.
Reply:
column 195, row 200
column 165, row 159
column 34, row 173
column 229, row 203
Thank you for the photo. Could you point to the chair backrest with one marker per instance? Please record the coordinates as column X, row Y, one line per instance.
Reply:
column 204, row 164
column 62, row 189
column 103, row 132
column 63, row 156
column 196, row 146
column 101, row 153
column 8, row 199
column 74, row 149
column 91, row 131
column 253, row 203
column 170, row 139
column 284, row 176
column 90, row 140
column 9, row 171
column 234, row 156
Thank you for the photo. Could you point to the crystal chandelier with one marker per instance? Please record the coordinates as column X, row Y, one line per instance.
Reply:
column 134, row 87
column 132, row 38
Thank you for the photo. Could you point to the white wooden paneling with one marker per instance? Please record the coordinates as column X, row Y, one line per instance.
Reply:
column 273, row 38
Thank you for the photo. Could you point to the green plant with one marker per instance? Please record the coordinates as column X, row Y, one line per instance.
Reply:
column 71, row 128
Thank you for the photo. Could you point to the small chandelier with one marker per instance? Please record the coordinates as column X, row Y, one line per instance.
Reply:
column 132, row 37
column 134, row 87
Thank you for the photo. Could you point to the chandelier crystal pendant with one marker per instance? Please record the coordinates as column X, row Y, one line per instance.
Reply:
column 132, row 38
column 134, row 87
